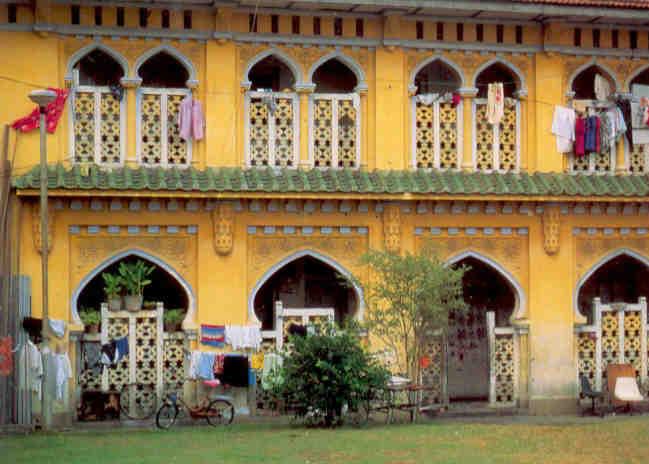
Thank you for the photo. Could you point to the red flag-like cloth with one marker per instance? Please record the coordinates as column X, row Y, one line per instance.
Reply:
column 53, row 113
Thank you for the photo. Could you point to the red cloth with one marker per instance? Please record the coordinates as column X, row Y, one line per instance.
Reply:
column 6, row 356
column 456, row 99
column 597, row 135
column 580, row 136
column 218, row 364
column 53, row 113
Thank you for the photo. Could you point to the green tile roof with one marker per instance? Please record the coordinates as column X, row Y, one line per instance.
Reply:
column 237, row 180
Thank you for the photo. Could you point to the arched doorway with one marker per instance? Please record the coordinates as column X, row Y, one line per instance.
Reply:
column 486, row 290
column 304, row 284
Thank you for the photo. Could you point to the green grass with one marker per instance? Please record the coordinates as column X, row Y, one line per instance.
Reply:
column 606, row 441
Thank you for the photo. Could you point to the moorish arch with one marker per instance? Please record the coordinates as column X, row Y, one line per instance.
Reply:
column 639, row 76
column 281, row 58
column 349, row 63
column 326, row 263
column 161, row 265
column 453, row 70
column 581, row 82
column 87, row 50
column 499, row 70
column 171, row 52
column 519, row 310
column 620, row 276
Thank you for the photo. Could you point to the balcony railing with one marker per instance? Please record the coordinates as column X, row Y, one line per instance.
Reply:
column 437, row 133
column 334, row 130
column 497, row 146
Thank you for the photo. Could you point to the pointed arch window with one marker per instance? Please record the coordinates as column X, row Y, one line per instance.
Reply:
column 436, row 119
column 164, row 86
column 496, row 146
column 638, row 162
column 334, row 117
column 585, row 95
column 97, row 131
column 272, row 116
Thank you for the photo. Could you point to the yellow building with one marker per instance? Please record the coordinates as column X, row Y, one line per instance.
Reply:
column 332, row 128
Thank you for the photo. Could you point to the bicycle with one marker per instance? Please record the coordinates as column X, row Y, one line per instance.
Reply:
column 217, row 411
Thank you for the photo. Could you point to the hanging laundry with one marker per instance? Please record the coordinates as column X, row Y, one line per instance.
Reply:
column 271, row 376
column 117, row 91
column 235, row 370
column 6, row 356
column 53, row 113
column 640, row 90
column 606, row 134
column 241, row 337
column 257, row 360
column 563, row 128
column 618, row 127
column 109, row 354
column 194, row 360
column 213, row 335
column 190, row 119
column 91, row 356
column 625, row 108
column 591, row 136
column 495, row 103
column 456, row 99
column 30, row 368
column 121, row 346
column 57, row 327
column 218, row 364
column 427, row 98
column 63, row 371
column 602, row 88
column 206, row 366
column 639, row 122
column 580, row 136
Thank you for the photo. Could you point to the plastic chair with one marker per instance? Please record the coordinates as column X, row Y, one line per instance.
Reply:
column 626, row 390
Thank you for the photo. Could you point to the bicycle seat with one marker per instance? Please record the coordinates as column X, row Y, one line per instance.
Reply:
column 211, row 383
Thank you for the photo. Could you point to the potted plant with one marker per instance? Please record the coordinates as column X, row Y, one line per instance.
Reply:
column 113, row 290
column 134, row 276
column 173, row 319
column 91, row 320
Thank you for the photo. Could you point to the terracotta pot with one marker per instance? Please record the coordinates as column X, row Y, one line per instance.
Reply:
column 133, row 302
column 115, row 304
column 92, row 329
column 172, row 326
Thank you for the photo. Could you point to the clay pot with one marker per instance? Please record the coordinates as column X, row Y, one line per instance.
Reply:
column 172, row 326
column 133, row 302
column 115, row 304
column 92, row 329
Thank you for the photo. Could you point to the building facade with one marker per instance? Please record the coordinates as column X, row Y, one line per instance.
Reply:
column 331, row 129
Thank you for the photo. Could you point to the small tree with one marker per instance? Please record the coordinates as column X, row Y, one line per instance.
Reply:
column 408, row 299
column 324, row 371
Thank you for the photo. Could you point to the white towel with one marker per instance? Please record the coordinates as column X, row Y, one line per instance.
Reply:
column 58, row 327
column 563, row 127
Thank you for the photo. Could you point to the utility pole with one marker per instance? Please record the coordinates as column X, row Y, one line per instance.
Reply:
column 42, row 98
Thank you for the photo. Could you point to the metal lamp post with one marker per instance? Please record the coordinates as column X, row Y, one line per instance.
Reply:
column 42, row 98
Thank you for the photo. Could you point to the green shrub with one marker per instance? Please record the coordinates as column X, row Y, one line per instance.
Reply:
column 89, row 316
column 327, row 370
column 174, row 316
column 134, row 276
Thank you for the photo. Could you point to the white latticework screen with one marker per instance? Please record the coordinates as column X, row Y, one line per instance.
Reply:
column 97, row 122
column 587, row 355
column 504, row 369
column 593, row 162
column 334, row 126
column 432, row 377
column 436, row 134
column 639, row 159
column 158, row 139
column 497, row 147
column 271, row 129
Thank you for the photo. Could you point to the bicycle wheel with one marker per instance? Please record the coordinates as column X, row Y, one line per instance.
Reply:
column 166, row 416
column 137, row 401
column 219, row 412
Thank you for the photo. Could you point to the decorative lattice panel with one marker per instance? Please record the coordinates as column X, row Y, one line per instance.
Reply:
column 322, row 133
column 632, row 340
column 484, row 136
column 173, row 367
column 84, row 127
column 580, row 163
column 90, row 379
column 146, row 352
column 287, row 321
column 177, row 154
column 346, row 134
column 284, row 136
column 425, row 135
column 638, row 159
column 504, row 368
column 610, row 340
column 508, row 153
column 448, row 157
column 109, row 130
column 151, row 129
column 431, row 375
column 118, row 376
column 601, row 161
column 587, row 355
column 258, row 138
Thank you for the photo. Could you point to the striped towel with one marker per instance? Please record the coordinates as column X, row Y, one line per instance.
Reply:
column 213, row 335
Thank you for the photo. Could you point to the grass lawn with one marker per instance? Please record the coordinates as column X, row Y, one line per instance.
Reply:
column 607, row 441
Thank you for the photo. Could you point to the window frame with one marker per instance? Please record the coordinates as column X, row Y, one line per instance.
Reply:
column 249, row 96
column 97, row 91
column 436, row 157
column 354, row 97
column 164, row 93
column 496, row 139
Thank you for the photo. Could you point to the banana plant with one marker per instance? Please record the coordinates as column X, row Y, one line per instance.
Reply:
column 134, row 275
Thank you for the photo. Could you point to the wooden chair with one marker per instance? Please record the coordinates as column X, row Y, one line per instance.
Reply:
column 622, row 387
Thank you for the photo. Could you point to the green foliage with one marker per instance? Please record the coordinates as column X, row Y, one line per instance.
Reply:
column 134, row 276
column 324, row 371
column 173, row 316
column 113, row 284
column 409, row 298
column 89, row 316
